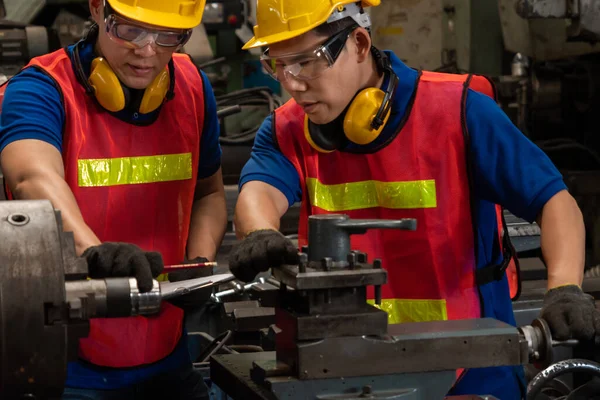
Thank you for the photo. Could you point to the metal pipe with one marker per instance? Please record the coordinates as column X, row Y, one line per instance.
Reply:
column 111, row 297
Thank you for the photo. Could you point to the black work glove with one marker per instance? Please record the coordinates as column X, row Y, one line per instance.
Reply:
column 259, row 251
column 570, row 313
column 121, row 260
column 198, row 297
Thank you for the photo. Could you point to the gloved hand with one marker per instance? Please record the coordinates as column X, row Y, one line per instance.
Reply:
column 259, row 251
column 124, row 259
column 570, row 313
column 198, row 297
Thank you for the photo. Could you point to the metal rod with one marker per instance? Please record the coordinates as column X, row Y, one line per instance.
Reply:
column 192, row 266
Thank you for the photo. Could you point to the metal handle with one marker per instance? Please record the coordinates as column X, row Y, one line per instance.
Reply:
column 329, row 234
column 358, row 226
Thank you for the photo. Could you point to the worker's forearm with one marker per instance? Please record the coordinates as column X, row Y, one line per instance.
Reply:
column 207, row 227
column 563, row 240
column 55, row 189
column 255, row 210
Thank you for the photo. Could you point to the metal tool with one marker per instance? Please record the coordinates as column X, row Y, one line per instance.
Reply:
column 174, row 289
column 236, row 289
column 208, row 264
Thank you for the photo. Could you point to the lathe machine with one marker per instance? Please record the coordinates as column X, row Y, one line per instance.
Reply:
column 329, row 342
column 46, row 300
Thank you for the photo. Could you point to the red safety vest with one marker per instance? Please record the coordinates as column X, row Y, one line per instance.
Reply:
column 132, row 184
column 422, row 175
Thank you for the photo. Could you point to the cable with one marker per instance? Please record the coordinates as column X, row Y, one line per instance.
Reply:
column 538, row 383
column 218, row 343
column 259, row 96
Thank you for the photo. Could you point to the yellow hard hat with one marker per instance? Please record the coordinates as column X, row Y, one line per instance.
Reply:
column 176, row 14
column 279, row 20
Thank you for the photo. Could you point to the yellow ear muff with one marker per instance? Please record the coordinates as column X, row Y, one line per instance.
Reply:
column 110, row 94
column 360, row 114
column 106, row 85
column 154, row 94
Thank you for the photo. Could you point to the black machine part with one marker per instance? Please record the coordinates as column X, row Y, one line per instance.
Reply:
column 19, row 44
column 329, row 234
column 46, row 301
column 538, row 383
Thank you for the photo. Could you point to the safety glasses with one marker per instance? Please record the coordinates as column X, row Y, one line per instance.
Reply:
column 310, row 64
column 129, row 34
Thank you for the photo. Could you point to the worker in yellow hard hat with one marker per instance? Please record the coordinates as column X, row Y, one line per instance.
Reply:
column 367, row 136
column 120, row 133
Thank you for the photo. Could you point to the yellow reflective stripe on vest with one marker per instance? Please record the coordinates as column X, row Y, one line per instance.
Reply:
column 408, row 310
column 134, row 170
column 368, row 194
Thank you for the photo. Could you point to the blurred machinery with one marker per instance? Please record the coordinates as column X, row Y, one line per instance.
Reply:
column 550, row 90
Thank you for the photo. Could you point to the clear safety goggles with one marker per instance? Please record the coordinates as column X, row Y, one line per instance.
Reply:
column 129, row 34
column 309, row 64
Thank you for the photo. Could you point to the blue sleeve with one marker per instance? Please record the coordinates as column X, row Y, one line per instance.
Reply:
column 268, row 164
column 32, row 109
column 210, row 149
column 508, row 169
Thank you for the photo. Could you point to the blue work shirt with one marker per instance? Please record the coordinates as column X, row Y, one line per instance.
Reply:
column 508, row 169
column 32, row 109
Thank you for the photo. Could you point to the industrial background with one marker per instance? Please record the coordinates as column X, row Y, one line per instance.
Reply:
column 543, row 56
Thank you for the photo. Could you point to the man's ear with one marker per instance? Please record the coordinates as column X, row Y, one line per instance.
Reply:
column 362, row 41
column 96, row 10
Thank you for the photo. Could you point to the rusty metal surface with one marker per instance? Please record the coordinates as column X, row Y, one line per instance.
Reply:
column 33, row 336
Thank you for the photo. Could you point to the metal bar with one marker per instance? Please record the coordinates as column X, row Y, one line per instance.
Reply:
column 211, row 264
column 330, row 279
column 451, row 344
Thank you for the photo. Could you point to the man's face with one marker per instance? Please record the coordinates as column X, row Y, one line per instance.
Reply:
column 135, row 67
column 326, row 96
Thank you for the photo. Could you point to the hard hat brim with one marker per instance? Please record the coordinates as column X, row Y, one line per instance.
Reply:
column 156, row 18
column 276, row 38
